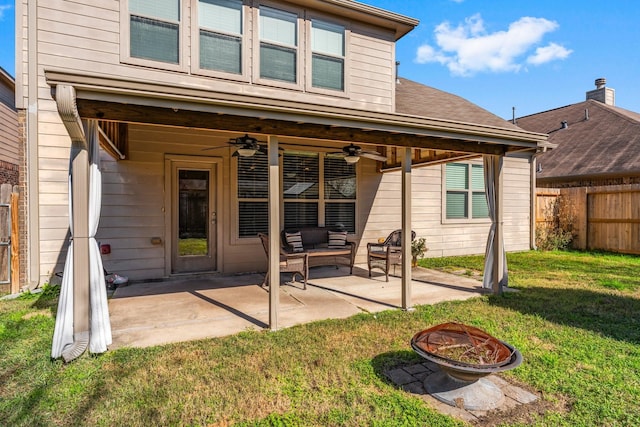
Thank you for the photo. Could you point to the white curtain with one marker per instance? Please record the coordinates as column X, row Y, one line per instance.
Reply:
column 63, row 332
column 100, row 326
column 100, row 336
column 490, row 165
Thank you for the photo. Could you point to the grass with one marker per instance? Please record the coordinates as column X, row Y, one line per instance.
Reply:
column 192, row 246
column 576, row 320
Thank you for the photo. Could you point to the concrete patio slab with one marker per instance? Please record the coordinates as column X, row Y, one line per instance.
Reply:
column 146, row 314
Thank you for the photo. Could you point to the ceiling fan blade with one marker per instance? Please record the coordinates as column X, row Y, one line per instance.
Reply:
column 372, row 155
column 213, row 148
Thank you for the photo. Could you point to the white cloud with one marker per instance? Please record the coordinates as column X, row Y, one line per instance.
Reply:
column 3, row 9
column 469, row 48
column 548, row 53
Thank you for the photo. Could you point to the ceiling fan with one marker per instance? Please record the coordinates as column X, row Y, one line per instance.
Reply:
column 246, row 145
column 352, row 154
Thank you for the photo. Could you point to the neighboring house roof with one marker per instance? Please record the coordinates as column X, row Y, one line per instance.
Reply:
column 599, row 141
column 7, row 89
column 420, row 100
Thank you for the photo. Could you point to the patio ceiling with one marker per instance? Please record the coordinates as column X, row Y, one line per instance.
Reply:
column 436, row 140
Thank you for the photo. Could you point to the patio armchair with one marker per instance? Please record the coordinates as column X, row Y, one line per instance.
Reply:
column 296, row 263
column 384, row 255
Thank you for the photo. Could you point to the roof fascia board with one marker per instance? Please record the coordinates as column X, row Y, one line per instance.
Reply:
column 166, row 96
column 401, row 24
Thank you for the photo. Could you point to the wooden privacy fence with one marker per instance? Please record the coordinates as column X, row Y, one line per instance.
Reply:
column 602, row 218
column 9, row 268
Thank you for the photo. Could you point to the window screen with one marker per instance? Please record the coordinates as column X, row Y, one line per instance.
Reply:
column 154, row 30
column 465, row 192
column 221, row 35
column 327, row 59
column 278, row 45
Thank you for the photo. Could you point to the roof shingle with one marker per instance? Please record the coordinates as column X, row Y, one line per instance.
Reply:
column 607, row 144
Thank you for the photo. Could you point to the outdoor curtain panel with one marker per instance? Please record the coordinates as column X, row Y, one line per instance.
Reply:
column 100, row 326
column 491, row 163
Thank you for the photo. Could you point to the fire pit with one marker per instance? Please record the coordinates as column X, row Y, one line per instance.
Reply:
column 465, row 355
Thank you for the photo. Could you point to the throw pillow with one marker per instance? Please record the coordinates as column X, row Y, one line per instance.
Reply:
column 337, row 239
column 295, row 241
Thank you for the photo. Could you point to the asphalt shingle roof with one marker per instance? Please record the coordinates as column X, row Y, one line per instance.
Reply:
column 417, row 99
column 605, row 145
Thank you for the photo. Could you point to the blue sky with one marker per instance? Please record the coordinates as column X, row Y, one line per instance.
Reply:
column 531, row 55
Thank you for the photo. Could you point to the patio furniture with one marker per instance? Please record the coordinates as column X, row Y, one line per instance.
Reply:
column 388, row 253
column 325, row 246
column 296, row 263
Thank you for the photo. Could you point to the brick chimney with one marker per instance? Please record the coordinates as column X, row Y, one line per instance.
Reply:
column 602, row 94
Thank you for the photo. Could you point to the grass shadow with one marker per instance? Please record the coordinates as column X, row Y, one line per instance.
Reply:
column 615, row 316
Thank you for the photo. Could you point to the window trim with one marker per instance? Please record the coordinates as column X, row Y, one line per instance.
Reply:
column 470, row 191
column 310, row 16
column 300, row 47
column 244, row 46
column 125, row 42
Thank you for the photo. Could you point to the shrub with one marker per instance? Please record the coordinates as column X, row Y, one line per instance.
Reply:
column 557, row 232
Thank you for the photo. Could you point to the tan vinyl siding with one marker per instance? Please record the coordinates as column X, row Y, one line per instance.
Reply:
column 8, row 134
column 442, row 239
column 372, row 68
column 85, row 38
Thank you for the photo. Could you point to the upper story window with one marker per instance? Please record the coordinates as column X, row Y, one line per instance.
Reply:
column 278, row 31
column 154, row 30
column 327, row 55
column 465, row 192
column 220, row 35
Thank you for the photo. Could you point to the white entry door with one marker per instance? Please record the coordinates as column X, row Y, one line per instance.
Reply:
column 193, row 219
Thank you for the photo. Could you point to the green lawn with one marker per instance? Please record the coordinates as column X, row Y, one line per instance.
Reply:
column 576, row 321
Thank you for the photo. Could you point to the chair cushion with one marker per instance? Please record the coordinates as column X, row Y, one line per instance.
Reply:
column 295, row 241
column 337, row 239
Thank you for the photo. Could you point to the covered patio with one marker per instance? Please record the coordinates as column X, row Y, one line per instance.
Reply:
column 156, row 313
column 406, row 139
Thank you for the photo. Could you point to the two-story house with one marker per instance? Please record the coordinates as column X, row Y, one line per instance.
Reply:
column 219, row 119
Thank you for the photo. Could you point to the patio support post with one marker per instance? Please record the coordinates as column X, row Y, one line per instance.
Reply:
column 274, row 232
column 80, row 189
column 498, row 248
column 406, row 229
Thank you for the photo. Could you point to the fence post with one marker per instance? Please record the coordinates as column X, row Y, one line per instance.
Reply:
column 5, row 236
column 15, row 242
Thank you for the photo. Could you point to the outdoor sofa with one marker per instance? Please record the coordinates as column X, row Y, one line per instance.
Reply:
column 324, row 246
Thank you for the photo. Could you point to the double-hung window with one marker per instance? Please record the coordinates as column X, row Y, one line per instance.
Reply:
column 278, row 32
column 465, row 192
column 327, row 55
column 253, row 196
column 301, row 188
column 154, row 30
column 220, row 35
column 339, row 193
column 317, row 189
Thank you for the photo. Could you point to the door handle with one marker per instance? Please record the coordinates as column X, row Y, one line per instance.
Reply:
column 213, row 217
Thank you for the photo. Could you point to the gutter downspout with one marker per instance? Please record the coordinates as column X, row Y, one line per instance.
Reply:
column 533, row 202
column 33, row 207
column 79, row 157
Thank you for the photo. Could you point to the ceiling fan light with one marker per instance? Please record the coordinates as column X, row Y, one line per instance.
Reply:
column 351, row 159
column 246, row 152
